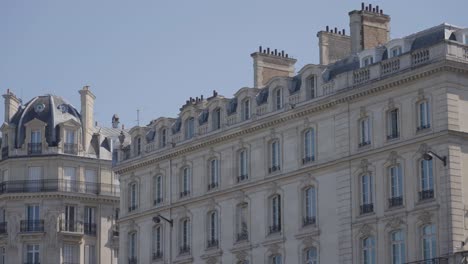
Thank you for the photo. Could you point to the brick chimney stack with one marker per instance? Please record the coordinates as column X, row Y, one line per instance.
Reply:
column 271, row 63
column 370, row 27
column 87, row 115
column 12, row 104
column 333, row 45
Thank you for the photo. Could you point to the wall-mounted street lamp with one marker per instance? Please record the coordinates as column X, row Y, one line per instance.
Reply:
column 428, row 155
column 157, row 220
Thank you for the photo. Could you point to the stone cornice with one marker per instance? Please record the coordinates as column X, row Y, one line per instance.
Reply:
column 342, row 96
column 60, row 195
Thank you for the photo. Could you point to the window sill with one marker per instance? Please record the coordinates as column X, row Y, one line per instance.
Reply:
column 423, row 130
column 395, row 208
column 366, row 215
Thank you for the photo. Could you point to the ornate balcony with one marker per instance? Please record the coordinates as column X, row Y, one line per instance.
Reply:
column 275, row 229
column 34, row 148
column 309, row 220
column 426, row 194
column 71, row 226
column 184, row 194
column 422, row 127
column 274, row 168
column 54, row 185
column 364, row 143
column 308, row 159
column 70, row 148
column 395, row 201
column 90, row 229
column 212, row 186
column 241, row 178
column 367, row 208
column 211, row 243
column 31, row 226
column 394, row 135
column 184, row 249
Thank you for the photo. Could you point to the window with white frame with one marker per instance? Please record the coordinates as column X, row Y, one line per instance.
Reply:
column 36, row 136
column 70, row 223
column 275, row 216
column 158, row 189
column 310, row 203
column 33, row 254
column 395, row 51
column 275, row 156
column 132, row 247
column 212, row 229
column 189, row 128
column 396, row 185
column 213, row 166
column 398, row 249
column 184, row 236
column 311, row 86
column 157, row 242
column 393, row 129
column 246, row 109
column 311, row 256
column 163, row 137
column 423, row 115
column 216, row 119
column 33, row 223
column 90, row 254
column 367, row 205
column 427, row 179
column 309, row 146
column 133, row 196
column 185, row 181
column 91, row 181
column 368, row 250
column 276, row 259
column 71, row 253
column 242, row 222
column 366, row 61
column 428, row 240
column 243, row 165
column 364, row 132
column 69, row 146
column 278, row 102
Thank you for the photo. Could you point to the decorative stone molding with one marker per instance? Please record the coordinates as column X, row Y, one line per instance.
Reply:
column 425, row 217
column 423, row 148
column 364, row 166
column 274, row 248
column 393, row 158
column 365, row 230
column 241, row 255
column 362, row 112
column 391, row 104
column 394, row 223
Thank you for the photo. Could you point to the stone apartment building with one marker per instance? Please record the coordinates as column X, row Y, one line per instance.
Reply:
column 362, row 158
column 58, row 194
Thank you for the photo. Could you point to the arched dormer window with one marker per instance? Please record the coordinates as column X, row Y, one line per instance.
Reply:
column 245, row 109
column 311, row 83
column 137, row 145
column 278, row 99
column 395, row 51
column 189, row 127
column 366, row 61
column 163, row 137
column 216, row 119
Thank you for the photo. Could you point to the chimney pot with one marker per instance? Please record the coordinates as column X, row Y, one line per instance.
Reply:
column 367, row 8
column 344, row 32
column 362, row 6
column 381, row 11
column 377, row 9
column 326, row 28
column 260, row 49
column 370, row 7
column 336, row 30
column 282, row 53
column 276, row 52
column 268, row 50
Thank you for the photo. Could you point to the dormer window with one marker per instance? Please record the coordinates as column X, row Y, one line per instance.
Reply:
column 395, row 51
column 163, row 137
column 216, row 119
column 311, row 87
column 366, row 61
column 278, row 99
column 246, row 110
column 35, row 147
column 189, row 128
column 69, row 146
column 137, row 146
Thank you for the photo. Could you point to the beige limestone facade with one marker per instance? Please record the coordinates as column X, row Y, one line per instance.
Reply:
column 58, row 195
column 364, row 160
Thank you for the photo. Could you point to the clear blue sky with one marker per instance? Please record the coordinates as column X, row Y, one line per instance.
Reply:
column 155, row 54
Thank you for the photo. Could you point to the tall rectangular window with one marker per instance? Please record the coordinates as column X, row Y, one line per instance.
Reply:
column 36, row 136
column 398, row 247
column 423, row 115
column 70, row 253
column 311, row 86
column 158, row 185
column 366, row 194
column 69, row 179
column 243, row 166
column 185, row 182
column 157, row 242
column 429, row 242
column 133, row 197
column 242, row 224
column 189, row 128
column 132, row 246
column 32, row 254
column 90, row 254
column 35, row 147
column 393, row 130
column 213, row 229
column 275, row 214
column 34, row 179
column 396, row 185
column 185, row 236
column 70, row 223
column 2, row 255
column 310, row 206
column 91, row 182
column 32, row 213
column 214, row 174
column 278, row 99
column 309, row 146
column 216, row 119
column 163, row 137
column 69, row 136
column 364, row 132
column 90, row 220
column 275, row 156
column 368, row 250
column 427, row 180
column 246, row 110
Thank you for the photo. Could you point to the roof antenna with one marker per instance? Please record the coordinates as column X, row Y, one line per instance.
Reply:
column 138, row 117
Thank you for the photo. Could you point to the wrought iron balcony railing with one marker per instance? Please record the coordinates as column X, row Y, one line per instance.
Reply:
column 72, row 226
column 34, row 148
column 393, row 135
column 242, row 236
column 31, row 226
column 212, row 243
column 184, row 249
column 132, row 208
column 70, row 148
column 441, row 260
column 243, row 177
column 309, row 220
column 184, row 194
column 90, row 229
column 364, row 143
column 426, row 194
column 395, row 201
column 55, row 185
column 367, row 208
column 422, row 127
column 308, row 159
column 274, row 168
column 275, row 229
column 212, row 186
